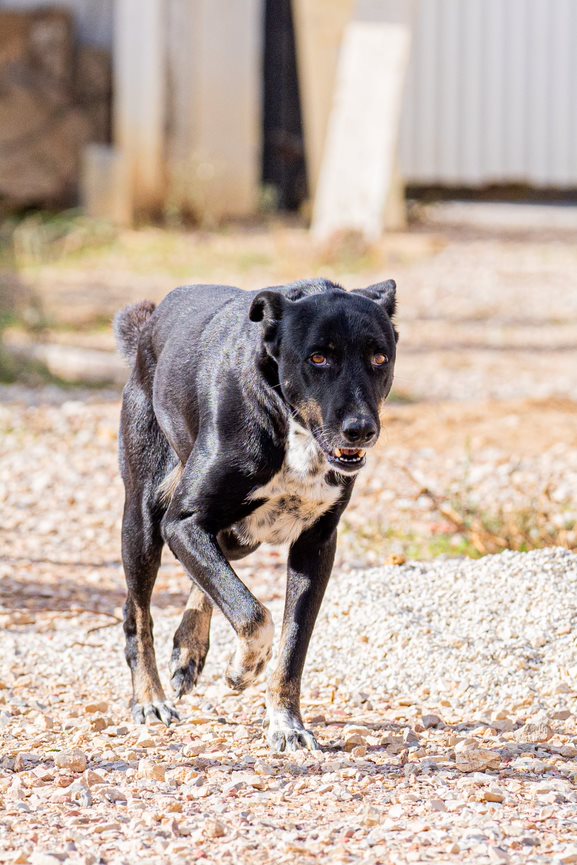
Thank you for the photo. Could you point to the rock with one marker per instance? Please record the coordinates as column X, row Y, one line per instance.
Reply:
column 38, row 858
column 151, row 770
column 92, row 778
column 145, row 740
column 114, row 795
column 80, row 794
column 194, row 749
column 535, row 732
column 561, row 715
column 355, row 730
column 214, row 829
column 372, row 816
column 410, row 740
column 493, row 794
column 73, row 761
column 96, row 708
column 429, row 721
column 470, row 758
column 353, row 741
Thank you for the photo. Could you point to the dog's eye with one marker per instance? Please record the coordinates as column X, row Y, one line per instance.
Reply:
column 379, row 359
column 318, row 359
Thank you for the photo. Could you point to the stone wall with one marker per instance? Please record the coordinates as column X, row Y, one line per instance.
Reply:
column 55, row 97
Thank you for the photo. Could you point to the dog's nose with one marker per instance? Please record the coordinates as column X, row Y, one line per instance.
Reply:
column 359, row 430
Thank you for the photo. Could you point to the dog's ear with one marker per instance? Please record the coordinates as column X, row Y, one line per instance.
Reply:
column 383, row 293
column 268, row 307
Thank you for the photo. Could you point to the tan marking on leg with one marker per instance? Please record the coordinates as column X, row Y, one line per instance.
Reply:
column 169, row 485
column 149, row 698
column 191, row 642
column 253, row 652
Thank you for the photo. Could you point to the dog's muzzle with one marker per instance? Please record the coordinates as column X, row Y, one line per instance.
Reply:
column 347, row 459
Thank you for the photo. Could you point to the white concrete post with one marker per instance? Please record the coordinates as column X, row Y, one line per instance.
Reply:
column 140, row 99
column 358, row 167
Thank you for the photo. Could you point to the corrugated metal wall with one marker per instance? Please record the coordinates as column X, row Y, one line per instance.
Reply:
column 492, row 94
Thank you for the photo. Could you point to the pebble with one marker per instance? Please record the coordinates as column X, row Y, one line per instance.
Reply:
column 213, row 829
column 429, row 721
column 470, row 758
column 151, row 770
column 535, row 732
column 74, row 761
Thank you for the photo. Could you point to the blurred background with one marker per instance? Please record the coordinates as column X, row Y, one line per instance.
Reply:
column 149, row 143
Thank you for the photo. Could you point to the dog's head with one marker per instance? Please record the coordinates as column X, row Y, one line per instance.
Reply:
column 335, row 354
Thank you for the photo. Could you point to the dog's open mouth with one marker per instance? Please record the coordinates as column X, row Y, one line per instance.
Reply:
column 350, row 458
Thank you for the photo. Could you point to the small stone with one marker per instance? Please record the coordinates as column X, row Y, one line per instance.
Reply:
column 372, row 816
column 498, row 855
column 410, row 740
column 493, row 794
column 145, row 740
column 355, row 730
column 92, row 778
column 73, row 761
column 569, row 857
column 535, row 732
column 113, row 794
column 117, row 731
column 437, row 805
column 255, row 781
column 214, row 829
column 359, row 751
column 353, row 741
column 151, row 770
column 20, row 761
column 194, row 749
column 99, row 723
column 38, row 858
column 561, row 715
column 469, row 758
column 93, row 708
column 429, row 721
column 80, row 794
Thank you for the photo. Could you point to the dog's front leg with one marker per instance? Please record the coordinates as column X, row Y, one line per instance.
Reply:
column 198, row 550
column 309, row 568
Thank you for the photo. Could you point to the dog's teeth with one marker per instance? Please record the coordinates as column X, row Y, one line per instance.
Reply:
column 338, row 453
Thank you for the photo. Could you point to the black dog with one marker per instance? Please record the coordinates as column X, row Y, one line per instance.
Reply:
column 245, row 419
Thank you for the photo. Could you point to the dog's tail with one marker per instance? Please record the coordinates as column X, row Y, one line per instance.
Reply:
column 128, row 324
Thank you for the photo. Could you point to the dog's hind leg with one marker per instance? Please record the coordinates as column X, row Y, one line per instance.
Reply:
column 143, row 456
column 191, row 642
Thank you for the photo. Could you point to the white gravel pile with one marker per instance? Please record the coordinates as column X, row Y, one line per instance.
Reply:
column 493, row 630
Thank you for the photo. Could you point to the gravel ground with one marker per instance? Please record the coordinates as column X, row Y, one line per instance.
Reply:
column 443, row 692
column 443, row 695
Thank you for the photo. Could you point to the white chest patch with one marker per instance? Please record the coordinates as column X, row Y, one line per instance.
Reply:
column 295, row 497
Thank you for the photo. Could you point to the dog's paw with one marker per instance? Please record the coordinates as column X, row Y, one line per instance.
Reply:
column 252, row 654
column 186, row 665
column 287, row 733
column 160, row 710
